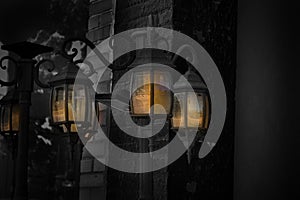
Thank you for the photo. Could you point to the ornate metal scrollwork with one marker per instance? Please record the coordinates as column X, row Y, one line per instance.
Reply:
column 4, row 67
column 74, row 51
column 70, row 53
column 37, row 70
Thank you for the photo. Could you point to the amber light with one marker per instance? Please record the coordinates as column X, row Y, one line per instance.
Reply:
column 9, row 113
column 191, row 106
column 190, row 111
column 10, row 118
column 69, row 104
column 149, row 94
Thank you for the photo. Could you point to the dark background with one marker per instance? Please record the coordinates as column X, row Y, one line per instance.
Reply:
column 267, row 101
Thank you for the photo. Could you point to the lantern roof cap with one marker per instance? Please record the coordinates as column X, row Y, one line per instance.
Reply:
column 26, row 49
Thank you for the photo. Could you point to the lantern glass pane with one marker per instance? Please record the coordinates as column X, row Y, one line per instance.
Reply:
column 141, row 98
column 195, row 108
column 178, row 110
column 15, row 117
column 58, row 104
column 162, row 94
column 77, row 101
column 6, row 118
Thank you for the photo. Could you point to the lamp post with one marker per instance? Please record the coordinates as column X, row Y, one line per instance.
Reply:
column 71, row 108
column 68, row 104
column 24, row 79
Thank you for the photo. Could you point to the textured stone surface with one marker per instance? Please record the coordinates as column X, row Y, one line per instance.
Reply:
column 86, row 165
column 100, row 20
column 100, row 6
column 141, row 13
column 98, row 166
column 213, row 25
column 99, row 34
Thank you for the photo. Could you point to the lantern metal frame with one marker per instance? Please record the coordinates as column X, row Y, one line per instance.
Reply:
column 11, row 136
column 26, row 73
column 24, row 77
column 9, row 101
column 65, row 79
column 68, row 77
column 146, row 57
column 197, row 87
column 152, row 73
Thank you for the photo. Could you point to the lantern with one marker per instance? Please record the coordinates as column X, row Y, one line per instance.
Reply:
column 150, row 89
column 191, row 106
column 70, row 103
column 9, row 113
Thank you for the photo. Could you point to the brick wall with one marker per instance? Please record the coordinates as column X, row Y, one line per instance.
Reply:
column 138, row 13
column 100, row 20
column 213, row 25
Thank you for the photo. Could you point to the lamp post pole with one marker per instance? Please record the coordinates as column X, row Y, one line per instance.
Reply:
column 24, row 102
column 25, row 67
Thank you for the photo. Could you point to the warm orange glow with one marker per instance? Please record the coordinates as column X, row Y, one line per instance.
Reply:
column 162, row 94
column 5, row 125
column 15, row 117
column 195, row 110
column 76, row 98
column 58, row 104
column 7, row 115
column 141, row 98
column 188, row 110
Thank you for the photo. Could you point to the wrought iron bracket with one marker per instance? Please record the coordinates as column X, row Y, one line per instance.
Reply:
column 4, row 67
